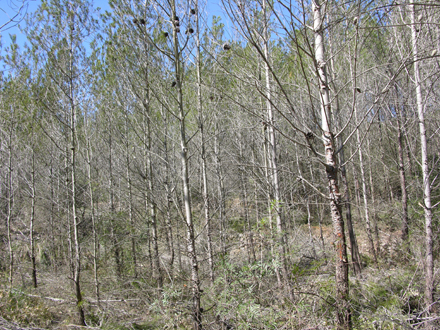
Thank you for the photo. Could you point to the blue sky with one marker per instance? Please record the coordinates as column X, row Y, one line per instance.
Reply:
column 8, row 8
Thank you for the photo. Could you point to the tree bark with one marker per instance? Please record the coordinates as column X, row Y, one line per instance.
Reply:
column 429, row 260
column 342, row 282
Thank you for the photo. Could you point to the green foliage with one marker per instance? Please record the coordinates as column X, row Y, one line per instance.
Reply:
column 387, row 298
column 172, row 309
column 238, row 224
column 236, row 297
column 20, row 308
column 93, row 319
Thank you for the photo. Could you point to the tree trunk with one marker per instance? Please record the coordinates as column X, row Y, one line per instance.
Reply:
column 130, row 198
column 149, row 176
column 53, row 253
column 281, row 236
column 191, row 246
column 73, row 161
column 342, row 283
column 89, row 155
column 203, row 149
column 353, row 68
column 429, row 260
column 402, row 177
column 244, row 190
column 168, row 191
column 364, row 191
column 113, row 236
column 307, row 201
column 220, row 189
column 355, row 256
column 10, row 199
column 373, row 202
column 31, row 226
column 151, row 207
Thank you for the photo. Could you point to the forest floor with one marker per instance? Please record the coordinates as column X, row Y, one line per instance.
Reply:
column 387, row 294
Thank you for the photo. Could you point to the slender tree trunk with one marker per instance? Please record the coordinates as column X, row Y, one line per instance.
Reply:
column 402, row 177
column 269, row 194
column 112, row 203
column 31, row 227
column 197, row 312
column 355, row 256
column 73, row 172
column 429, row 260
column 130, row 198
column 206, row 208
column 203, row 149
column 281, row 235
column 319, row 207
column 373, row 202
column 244, row 190
column 53, row 253
column 67, row 166
column 89, row 155
column 321, row 210
column 357, row 192
column 309, row 217
column 151, row 206
column 365, row 194
column 77, row 260
column 220, row 189
column 10, row 195
column 257, row 212
column 342, row 282
column 386, row 174
column 169, row 201
column 353, row 68
column 113, row 236
column 155, row 236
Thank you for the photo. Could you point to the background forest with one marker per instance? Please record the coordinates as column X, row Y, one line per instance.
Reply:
column 160, row 171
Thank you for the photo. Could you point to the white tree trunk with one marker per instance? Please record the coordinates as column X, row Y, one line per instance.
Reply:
column 429, row 261
column 342, row 297
column 276, row 204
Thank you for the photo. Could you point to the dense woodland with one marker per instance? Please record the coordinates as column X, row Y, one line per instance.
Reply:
column 161, row 169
